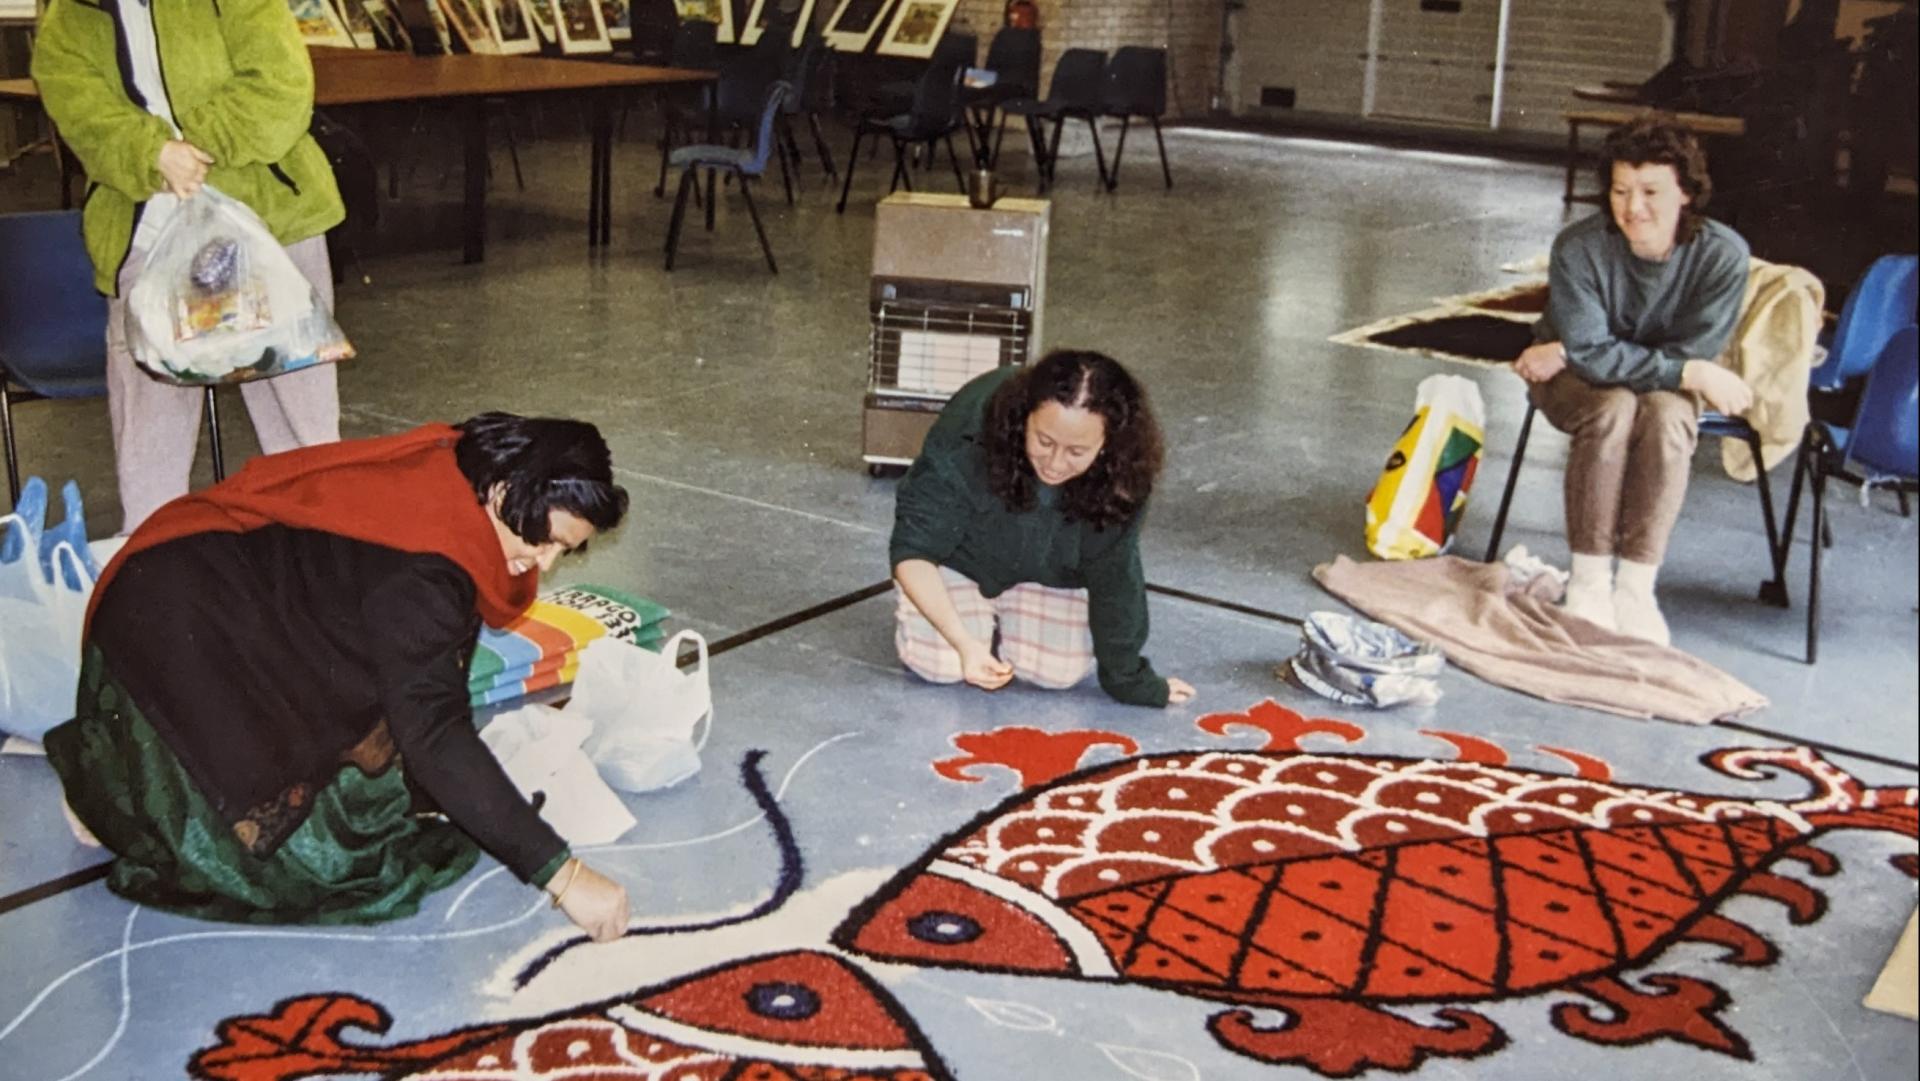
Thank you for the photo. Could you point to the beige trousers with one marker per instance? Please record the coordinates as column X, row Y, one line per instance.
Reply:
column 156, row 425
column 1627, row 470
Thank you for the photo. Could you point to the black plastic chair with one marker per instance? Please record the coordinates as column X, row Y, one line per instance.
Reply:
column 53, row 326
column 934, row 116
column 746, row 164
column 694, row 46
column 1076, row 93
column 810, row 70
column 1014, row 59
column 655, row 25
column 1137, row 87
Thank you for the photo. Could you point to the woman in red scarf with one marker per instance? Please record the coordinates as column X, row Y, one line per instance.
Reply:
column 272, row 723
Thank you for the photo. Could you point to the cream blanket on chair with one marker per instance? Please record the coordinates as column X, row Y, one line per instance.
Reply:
column 1773, row 351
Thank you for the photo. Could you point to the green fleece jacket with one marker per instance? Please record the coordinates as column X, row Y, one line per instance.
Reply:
column 945, row 512
column 240, row 84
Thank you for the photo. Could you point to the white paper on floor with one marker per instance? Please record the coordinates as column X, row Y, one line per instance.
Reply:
column 539, row 747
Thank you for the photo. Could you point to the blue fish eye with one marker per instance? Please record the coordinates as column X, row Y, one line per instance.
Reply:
column 944, row 928
column 783, row 1001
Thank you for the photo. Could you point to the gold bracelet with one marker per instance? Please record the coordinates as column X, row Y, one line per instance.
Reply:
column 571, row 875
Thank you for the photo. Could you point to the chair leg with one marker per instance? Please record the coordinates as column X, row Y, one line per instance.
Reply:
column 1165, row 172
column 1513, row 478
column 1774, row 590
column 713, row 198
column 901, row 173
column 6, row 433
column 666, row 149
column 820, row 147
column 513, row 150
column 1099, row 155
column 846, row 182
column 687, row 181
column 746, row 193
column 213, row 436
column 786, row 175
column 999, row 136
column 1119, row 149
column 1815, row 555
column 1053, row 150
column 959, row 178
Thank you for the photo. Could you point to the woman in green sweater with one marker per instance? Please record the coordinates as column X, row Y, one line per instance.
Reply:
column 1016, row 536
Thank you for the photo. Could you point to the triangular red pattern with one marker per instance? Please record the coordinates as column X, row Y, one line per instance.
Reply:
column 1559, row 909
column 1374, row 858
column 1753, row 841
column 1342, row 886
column 1128, row 908
column 1700, row 841
column 1640, row 853
column 1535, row 959
column 1713, row 877
column 1321, row 944
column 1450, row 869
column 1262, row 971
column 1626, row 891
column 1118, row 940
column 1641, row 928
column 1545, row 859
column 1432, row 520
column 1152, row 962
column 1225, row 899
column 1455, row 934
column 1400, row 973
column 1207, row 946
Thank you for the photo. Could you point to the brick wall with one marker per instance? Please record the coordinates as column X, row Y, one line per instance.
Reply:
column 1188, row 29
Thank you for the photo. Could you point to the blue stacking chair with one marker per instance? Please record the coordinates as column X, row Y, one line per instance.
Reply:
column 53, row 325
column 1881, row 445
column 1882, row 302
column 746, row 163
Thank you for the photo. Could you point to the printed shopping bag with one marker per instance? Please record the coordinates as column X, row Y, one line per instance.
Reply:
column 1422, row 492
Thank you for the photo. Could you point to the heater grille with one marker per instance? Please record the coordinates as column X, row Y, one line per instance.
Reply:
column 923, row 349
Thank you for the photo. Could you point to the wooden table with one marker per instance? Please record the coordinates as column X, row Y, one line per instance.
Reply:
column 1698, row 123
column 373, row 77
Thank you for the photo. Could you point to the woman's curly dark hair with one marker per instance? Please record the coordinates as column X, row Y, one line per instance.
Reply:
column 1659, row 140
column 1116, row 487
column 544, row 464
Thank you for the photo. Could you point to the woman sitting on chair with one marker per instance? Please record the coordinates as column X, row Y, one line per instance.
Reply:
column 275, row 668
column 1016, row 536
column 1642, row 298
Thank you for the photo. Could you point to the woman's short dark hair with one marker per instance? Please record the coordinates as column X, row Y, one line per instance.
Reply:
column 1116, row 487
column 542, row 464
column 1660, row 140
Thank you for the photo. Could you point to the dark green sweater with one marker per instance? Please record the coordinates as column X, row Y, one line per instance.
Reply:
column 945, row 513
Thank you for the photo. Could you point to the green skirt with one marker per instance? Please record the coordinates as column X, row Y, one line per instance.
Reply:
column 360, row 855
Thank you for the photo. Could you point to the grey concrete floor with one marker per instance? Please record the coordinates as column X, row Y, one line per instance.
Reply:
column 731, row 400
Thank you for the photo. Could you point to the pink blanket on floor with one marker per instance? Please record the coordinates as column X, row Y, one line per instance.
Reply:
column 1516, row 639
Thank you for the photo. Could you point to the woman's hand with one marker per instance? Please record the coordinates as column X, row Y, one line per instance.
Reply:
column 981, row 668
column 1724, row 391
column 183, row 166
column 1539, row 363
column 595, row 903
column 1179, row 691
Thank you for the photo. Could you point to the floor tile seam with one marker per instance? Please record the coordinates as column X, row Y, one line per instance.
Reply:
column 54, row 887
column 665, row 482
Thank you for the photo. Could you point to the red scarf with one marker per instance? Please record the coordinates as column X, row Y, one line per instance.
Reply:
column 400, row 491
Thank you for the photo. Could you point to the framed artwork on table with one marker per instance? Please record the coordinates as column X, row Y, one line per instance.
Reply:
column 469, row 22
column 426, row 26
column 353, row 15
column 853, row 24
column 388, row 31
column 583, row 29
column 545, row 21
column 319, row 24
column 618, row 15
column 763, row 12
column 916, row 28
column 717, row 12
column 512, row 26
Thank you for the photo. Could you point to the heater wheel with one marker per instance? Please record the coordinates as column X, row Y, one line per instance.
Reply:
column 878, row 470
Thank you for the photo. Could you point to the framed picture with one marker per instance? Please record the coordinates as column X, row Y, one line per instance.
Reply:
column 469, row 22
column 854, row 23
column 763, row 11
column 717, row 12
column 916, row 28
column 545, row 21
column 388, row 31
column 511, row 25
column 319, row 24
column 618, row 15
column 353, row 15
column 583, row 29
column 426, row 26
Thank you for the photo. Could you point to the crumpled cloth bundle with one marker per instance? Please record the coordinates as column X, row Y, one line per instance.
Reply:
column 1358, row 662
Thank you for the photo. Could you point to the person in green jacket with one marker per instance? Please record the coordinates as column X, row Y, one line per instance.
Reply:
column 158, row 98
column 1016, row 536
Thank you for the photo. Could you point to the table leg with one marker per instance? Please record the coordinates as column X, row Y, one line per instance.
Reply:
column 595, row 173
column 475, row 170
column 1573, row 159
column 603, row 134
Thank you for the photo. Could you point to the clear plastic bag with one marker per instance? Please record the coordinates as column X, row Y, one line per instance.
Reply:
column 219, row 301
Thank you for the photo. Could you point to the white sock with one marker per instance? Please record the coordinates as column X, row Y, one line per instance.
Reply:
column 1591, row 573
column 1637, row 578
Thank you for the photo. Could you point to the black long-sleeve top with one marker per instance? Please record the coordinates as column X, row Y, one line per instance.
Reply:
column 262, row 657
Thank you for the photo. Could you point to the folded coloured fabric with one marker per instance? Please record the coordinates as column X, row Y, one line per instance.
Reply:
column 541, row 649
